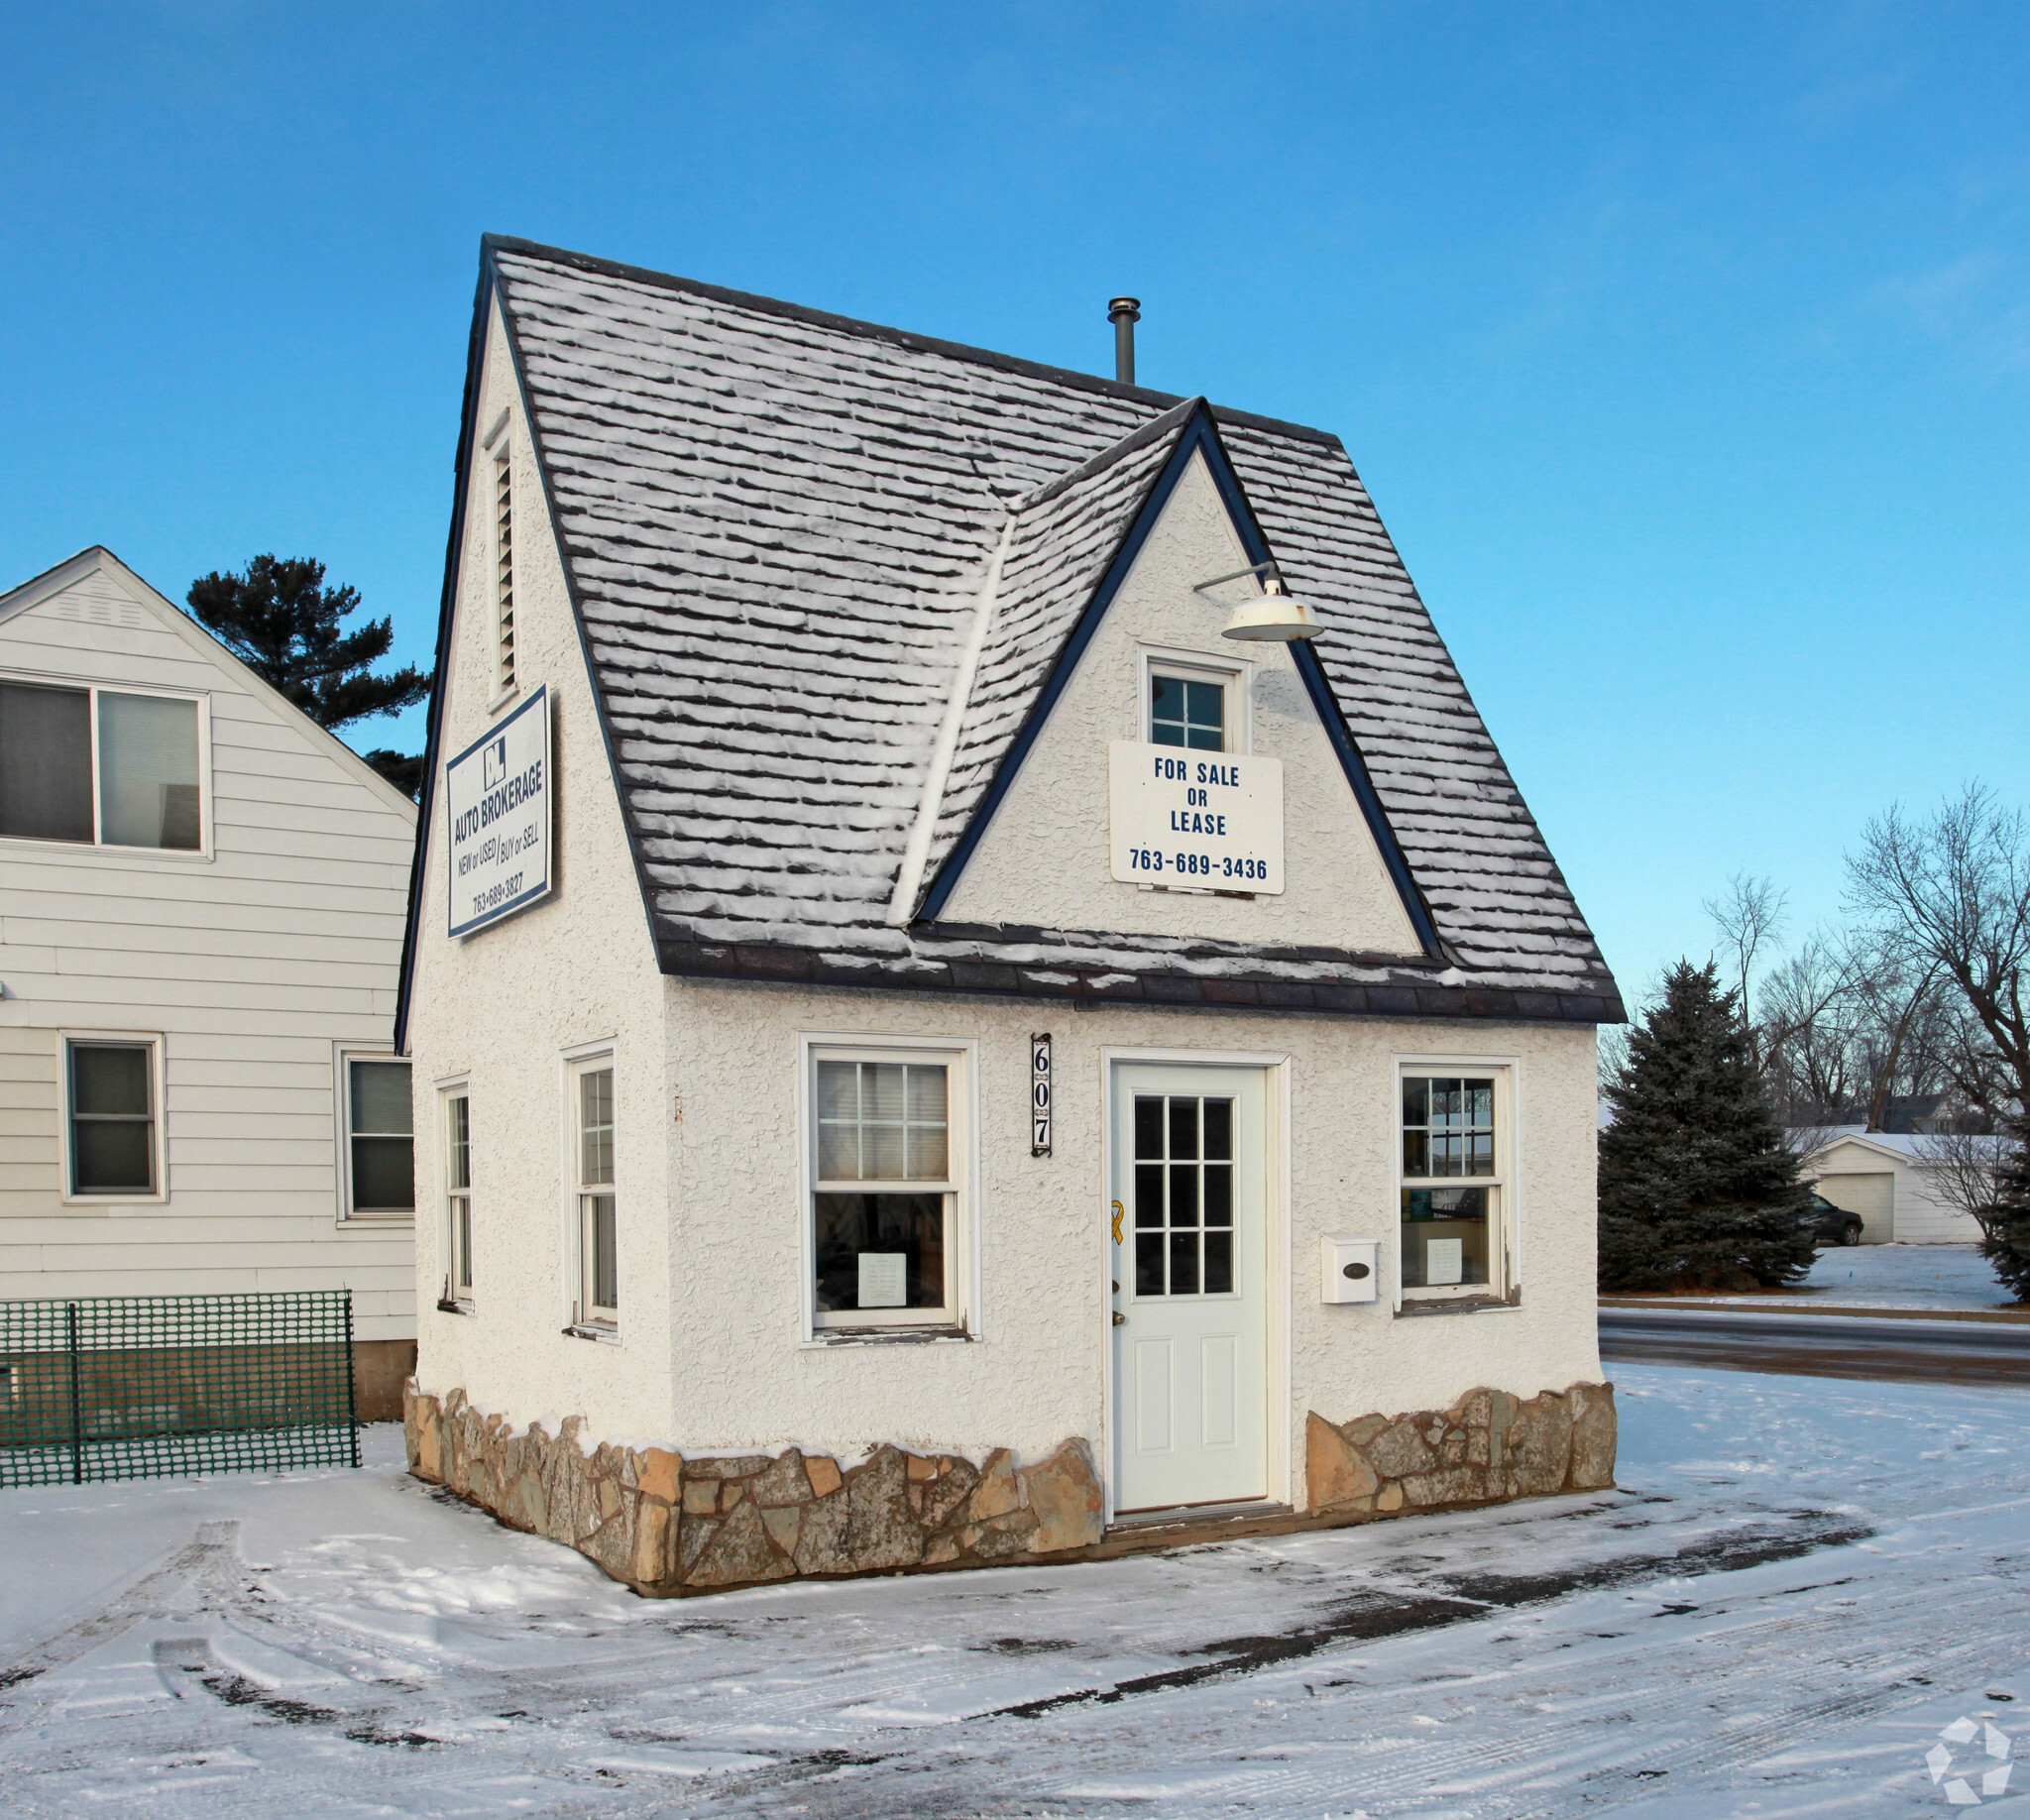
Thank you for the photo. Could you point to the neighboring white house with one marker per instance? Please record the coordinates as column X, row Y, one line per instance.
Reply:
column 200, row 923
column 1883, row 1177
column 933, row 1054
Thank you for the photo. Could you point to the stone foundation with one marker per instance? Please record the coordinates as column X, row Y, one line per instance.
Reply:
column 669, row 1524
column 1486, row 1447
column 672, row 1524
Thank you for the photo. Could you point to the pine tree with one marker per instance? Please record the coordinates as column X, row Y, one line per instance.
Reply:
column 283, row 622
column 2005, row 1233
column 1697, row 1189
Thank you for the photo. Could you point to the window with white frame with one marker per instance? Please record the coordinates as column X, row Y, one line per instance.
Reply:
column 598, row 1260
column 106, row 768
column 380, row 1138
column 1453, row 1180
column 887, row 1173
column 112, row 1088
column 456, row 1126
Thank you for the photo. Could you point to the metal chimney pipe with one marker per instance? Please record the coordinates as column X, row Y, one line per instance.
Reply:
column 1124, row 313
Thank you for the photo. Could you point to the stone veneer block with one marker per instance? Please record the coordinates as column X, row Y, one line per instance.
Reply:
column 1488, row 1446
column 668, row 1524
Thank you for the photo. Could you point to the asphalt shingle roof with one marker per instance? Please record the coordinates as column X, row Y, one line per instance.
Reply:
column 778, row 527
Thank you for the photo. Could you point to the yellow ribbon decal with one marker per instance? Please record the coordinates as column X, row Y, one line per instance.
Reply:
column 1117, row 1222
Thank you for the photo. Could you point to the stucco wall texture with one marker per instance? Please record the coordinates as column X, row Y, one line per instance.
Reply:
column 503, row 1006
column 712, row 1351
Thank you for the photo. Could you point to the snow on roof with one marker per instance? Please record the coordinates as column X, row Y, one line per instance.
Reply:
column 779, row 528
column 1908, row 1144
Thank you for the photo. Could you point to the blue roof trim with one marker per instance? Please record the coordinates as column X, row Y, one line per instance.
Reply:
column 1200, row 435
column 1333, row 718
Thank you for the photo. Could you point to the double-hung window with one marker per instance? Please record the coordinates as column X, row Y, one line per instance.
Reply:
column 1454, row 1151
column 105, row 768
column 887, row 1143
column 112, row 1089
column 380, row 1140
column 457, row 1177
column 599, row 1251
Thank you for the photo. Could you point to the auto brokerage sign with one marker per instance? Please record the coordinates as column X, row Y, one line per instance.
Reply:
column 498, row 798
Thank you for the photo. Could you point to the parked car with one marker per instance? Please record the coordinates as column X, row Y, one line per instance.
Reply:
column 1832, row 1225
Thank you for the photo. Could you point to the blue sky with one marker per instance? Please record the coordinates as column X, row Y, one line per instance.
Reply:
column 1686, row 351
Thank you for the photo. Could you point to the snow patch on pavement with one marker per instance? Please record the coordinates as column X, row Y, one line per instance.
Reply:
column 1800, row 1583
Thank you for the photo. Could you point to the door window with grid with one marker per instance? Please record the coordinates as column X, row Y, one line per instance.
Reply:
column 598, row 1218
column 1183, row 1195
column 882, row 1213
column 1452, row 1188
column 458, row 1196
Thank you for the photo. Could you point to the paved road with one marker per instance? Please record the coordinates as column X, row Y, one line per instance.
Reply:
column 1820, row 1346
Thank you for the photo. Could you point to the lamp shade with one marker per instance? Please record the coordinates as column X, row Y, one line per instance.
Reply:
column 1272, row 617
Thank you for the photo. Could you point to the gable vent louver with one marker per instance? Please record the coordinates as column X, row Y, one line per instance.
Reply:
column 504, row 570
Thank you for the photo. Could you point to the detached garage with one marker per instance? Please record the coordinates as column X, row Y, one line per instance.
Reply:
column 1882, row 1176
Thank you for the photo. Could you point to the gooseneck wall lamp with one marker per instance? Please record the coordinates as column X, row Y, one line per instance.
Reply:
column 1271, row 615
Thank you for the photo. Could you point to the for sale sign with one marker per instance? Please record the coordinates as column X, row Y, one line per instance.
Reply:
column 1195, row 820
column 498, row 802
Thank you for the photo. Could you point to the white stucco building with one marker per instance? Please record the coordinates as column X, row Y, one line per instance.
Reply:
column 201, row 899
column 933, row 1053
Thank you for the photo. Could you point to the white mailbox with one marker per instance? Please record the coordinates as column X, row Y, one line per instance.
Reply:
column 1350, row 1265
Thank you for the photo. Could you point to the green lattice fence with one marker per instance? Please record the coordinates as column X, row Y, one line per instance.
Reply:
column 143, row 1387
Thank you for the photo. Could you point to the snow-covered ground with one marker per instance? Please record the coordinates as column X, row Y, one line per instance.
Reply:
column 1802, row 1583
column 1892, row 1276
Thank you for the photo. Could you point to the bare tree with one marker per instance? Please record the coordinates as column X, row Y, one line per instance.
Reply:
column 1805, row 1033
column 1950, row 894
column 1967, row 1171
column 1748, row 917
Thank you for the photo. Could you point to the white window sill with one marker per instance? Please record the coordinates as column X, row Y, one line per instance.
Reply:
column 400, row 1223
column 888, row 1336
column 587, row 1330
column 101, row 850
column 456, row 1305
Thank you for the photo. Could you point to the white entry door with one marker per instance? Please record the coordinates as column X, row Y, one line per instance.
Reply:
column 1190, row 1270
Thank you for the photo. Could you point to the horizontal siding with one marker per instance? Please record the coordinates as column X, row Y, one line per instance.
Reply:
column 165, row 1225
column 253, row 963
column 111, row 934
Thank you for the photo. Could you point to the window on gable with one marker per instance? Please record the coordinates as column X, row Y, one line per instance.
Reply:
column 1188, row 711
column 113, row 768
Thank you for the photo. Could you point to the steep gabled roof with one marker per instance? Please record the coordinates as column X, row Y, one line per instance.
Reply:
column 817, row 560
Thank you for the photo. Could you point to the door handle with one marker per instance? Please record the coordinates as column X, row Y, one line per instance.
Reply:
column 1120, row 1319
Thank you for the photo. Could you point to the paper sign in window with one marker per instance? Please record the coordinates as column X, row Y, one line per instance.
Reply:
column 1443, row 1261
column 884, row 1279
